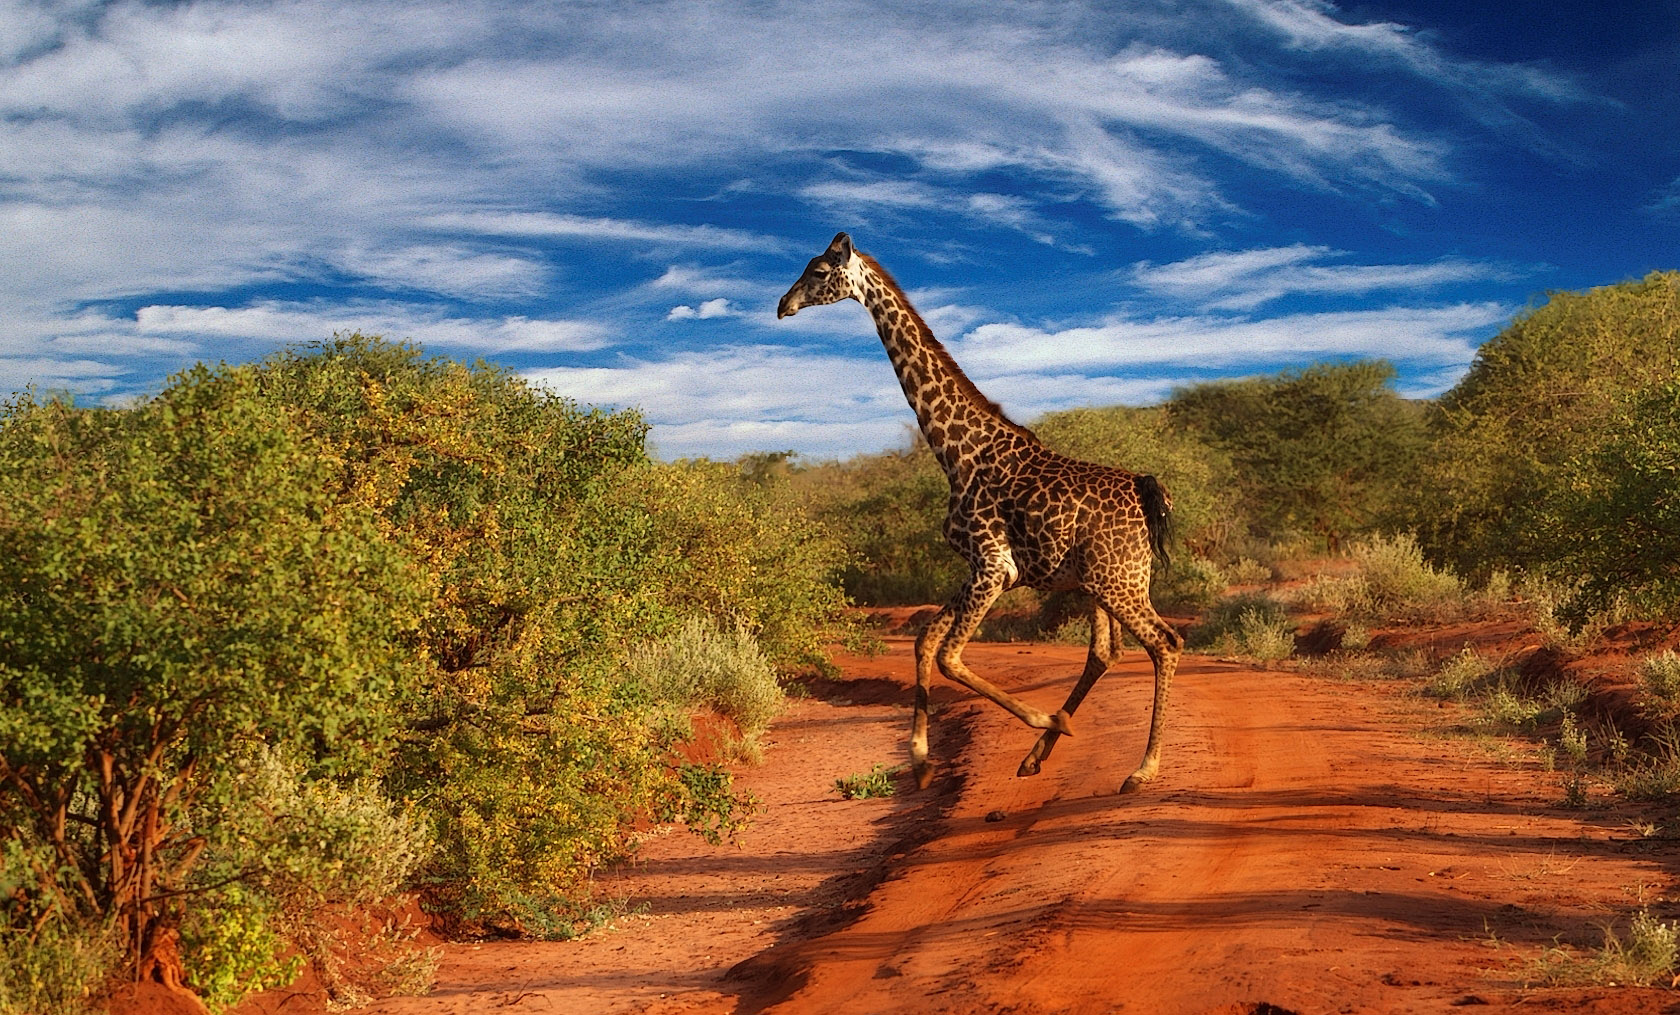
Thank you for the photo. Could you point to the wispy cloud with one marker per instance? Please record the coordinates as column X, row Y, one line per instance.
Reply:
column 1441, row 335
column 551, row 225
column 735, row 398
column 272, row 322
column 1244, row 280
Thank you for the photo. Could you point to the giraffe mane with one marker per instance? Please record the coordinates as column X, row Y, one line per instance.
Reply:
column 937, row 348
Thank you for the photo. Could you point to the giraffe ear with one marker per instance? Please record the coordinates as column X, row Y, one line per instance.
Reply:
column 840, row 250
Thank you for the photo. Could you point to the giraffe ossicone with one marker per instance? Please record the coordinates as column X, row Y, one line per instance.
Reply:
column 1019, row 514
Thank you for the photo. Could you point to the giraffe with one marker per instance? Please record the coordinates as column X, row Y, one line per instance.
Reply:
column 1019, row 514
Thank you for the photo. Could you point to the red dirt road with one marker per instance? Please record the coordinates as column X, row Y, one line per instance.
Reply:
column 1309, row 847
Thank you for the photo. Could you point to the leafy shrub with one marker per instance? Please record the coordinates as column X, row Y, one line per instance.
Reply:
column 178, row 582
column 277, row 854
column 1328, row 451
column 1264, row 637
column 1398, row 582
column 1252, row 624
column 60, row 967
column 1659, row 678
column 1540, row 395
column 1613, row 519
column 889, row 511
column 1191, row 583
column 549, row 542
column 700, row 665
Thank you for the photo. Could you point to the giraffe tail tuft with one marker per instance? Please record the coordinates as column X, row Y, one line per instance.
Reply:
column 1157, row 515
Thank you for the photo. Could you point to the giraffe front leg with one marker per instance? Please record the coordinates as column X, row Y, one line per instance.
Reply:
column 926, row 649
column 1096, row 664
column 967, row 609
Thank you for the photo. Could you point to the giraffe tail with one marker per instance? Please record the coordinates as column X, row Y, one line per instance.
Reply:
column 1157, row 516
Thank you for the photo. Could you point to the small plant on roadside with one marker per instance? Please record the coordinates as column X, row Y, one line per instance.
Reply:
column 879, row 781
column 701, row 664
column 1463, row 674
column 1220, row 629
column 1574, row 790
column 1659, row 678
column 1398, row 582
column 1655, row 775
column 1248, row 571
column 1356, row 638
column 1264, row 636
column 1572, row 739
column 1646, row 956
column 1505, row 709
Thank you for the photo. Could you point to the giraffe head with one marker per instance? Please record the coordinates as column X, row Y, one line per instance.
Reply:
column 826, row 279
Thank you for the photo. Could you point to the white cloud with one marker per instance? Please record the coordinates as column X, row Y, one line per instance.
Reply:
column 1243, row 280
column 732, row 399
column 274, row 322
column 709, row 309
column 1441, row 335
column 553, row 225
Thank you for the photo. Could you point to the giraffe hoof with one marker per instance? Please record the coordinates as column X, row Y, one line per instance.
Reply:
column 1061, row 724
column 1136, row 781
column 1028, row 767
column 924, row 775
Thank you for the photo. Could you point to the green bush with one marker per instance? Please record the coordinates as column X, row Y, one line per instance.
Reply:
column 1330, row 451
column 1395, row 581
column 61, row 968
column 879, row 781
column 1252, row 624
column 889, row 510
column 1464, row 674
column 1539, row 396
column 549, row 543
column 178, row 582
column 1191, row 583
column 1613, row 521
column 700, row 665
column 1659, row 678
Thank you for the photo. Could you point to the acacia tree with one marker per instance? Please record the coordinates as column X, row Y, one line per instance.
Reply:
column 1326, row 450
column 177, row 588
column 1537, row 398
column 1612, row 524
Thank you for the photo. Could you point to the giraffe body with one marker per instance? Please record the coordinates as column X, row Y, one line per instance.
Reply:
column 1019, row 514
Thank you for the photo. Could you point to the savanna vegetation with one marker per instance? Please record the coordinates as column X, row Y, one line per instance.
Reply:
column 349, row 621
column 355, row 621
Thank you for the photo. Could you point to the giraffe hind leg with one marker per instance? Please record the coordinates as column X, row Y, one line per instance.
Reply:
column 1104, row 643
column 1164, row 646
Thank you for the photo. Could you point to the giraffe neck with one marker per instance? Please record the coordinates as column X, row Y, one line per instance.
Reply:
column 959, row 422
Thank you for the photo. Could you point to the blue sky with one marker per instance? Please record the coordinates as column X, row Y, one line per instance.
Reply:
column 1090, row 203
